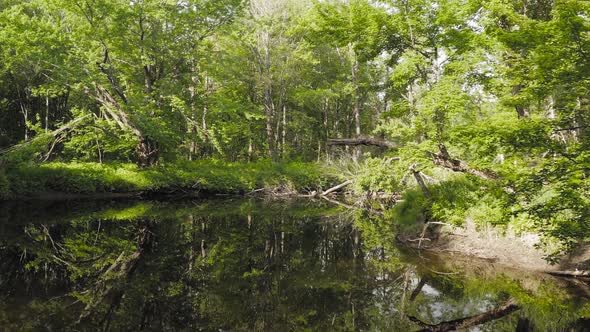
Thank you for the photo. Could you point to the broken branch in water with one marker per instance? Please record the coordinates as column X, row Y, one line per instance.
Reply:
column 462, row 323
column 352, row 207
column 342, row 185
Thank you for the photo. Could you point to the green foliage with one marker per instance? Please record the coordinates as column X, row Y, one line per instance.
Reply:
column 456, row 201
column 103, row 142
column 378, row 175
column 501, row 86
column 411, row 210
column 204, row 175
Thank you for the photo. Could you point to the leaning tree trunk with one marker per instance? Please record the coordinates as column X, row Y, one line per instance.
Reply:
column 147, row 150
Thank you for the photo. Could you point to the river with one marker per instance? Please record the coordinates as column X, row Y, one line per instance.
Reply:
column 253, row 265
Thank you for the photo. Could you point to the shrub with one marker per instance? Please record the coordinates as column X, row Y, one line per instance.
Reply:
column 378, row 175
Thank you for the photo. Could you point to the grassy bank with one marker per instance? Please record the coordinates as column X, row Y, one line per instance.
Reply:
column 198, row 176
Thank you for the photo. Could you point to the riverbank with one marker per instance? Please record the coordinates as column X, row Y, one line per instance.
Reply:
column 500, row 248
column 203, row 177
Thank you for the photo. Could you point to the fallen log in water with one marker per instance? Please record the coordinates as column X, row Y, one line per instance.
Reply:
column 352, row 207
column 574, row 273
column 463, row 323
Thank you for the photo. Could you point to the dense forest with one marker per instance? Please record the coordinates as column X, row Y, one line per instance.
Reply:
column 467, row 110
column 295, row 165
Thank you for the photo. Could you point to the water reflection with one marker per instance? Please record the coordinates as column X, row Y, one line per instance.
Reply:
column 248, row 265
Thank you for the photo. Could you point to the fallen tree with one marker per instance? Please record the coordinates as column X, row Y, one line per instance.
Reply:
column 467, row 322
column 574, row 273
column 147, row 149
column 340, row 186
column 369, row 141
column 50, row 136
column 444, row 159
column 460, row 166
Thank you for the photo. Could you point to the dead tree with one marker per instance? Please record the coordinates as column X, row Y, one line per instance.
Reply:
column 369, row 141
column 444, row 159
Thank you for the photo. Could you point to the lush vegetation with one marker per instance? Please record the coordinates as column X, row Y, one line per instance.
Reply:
column 484, row 105
column 209, row 177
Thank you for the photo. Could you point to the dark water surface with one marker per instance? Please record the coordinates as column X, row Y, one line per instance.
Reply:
column 250, row 265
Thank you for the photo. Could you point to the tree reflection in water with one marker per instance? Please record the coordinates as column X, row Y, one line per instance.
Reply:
column 250, row 265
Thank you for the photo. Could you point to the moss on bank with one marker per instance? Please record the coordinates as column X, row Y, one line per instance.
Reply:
column 197, row 176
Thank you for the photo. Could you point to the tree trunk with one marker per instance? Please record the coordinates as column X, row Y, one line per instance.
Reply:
column 269, row 130
column 521, row 111
column 284, row 133
column 356, row 102
column 47, row 113
column 335, row 188
column 147, row 152
column 443, row 159
column 420, row 181
column 147, row 149
column 356, row 113
column 25, row 114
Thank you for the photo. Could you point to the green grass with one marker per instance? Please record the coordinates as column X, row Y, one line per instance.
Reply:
column 204, row 175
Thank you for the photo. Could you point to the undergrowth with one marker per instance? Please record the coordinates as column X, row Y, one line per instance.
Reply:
column 203, row 175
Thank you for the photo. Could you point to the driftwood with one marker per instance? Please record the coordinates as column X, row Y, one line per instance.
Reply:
column 423, row 234
column 505, row 309
column 384, row 195
column 362, row 141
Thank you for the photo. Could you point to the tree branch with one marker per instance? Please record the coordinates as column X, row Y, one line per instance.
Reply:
column 460, row 166
column 463, row 323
